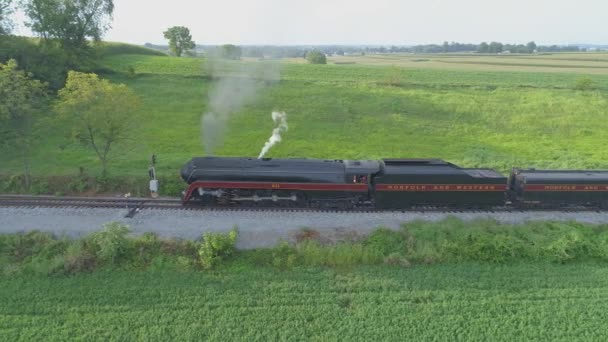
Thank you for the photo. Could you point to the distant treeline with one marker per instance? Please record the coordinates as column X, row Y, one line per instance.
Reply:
column 453, row 47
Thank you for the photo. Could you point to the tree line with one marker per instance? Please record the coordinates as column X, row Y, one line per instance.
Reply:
column 268, row 51
column 52, row 79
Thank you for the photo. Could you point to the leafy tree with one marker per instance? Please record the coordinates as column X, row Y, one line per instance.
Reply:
column 71, row 22
column 495, row 47
column 23, row 99
column 100, row 113
column 46, row 62
column 180, row 40
column 531, row 47
column 230, row 51
column 316, row 57
column 483, row 48
column 5, row 11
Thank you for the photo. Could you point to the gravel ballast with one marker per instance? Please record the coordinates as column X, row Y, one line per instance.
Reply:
column 256, row 228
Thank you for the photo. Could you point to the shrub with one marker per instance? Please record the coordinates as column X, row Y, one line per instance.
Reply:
column 21, row 247
column 78, row 258
column 385, row 241
column 397, row 260
column 316, row 57
column 569, row 247
column 216, row 247
column 46, row 62
column 284, row 256
column 145, row 248
column 583, row 84
column 111, row 243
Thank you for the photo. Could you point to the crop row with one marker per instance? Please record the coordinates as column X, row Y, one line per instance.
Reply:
column 442, row 302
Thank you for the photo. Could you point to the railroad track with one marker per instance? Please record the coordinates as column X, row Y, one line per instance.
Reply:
column 135, row 205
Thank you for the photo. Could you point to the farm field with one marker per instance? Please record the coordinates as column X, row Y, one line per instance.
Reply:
column 581, row 63
column 442, row 302
column 470, row 110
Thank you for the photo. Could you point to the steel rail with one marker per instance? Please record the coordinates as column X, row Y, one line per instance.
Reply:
column 137, row 204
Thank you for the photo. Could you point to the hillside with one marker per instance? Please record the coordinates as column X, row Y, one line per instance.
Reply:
column 472, row 117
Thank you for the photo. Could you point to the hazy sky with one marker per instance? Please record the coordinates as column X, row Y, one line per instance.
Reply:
column 396, row 22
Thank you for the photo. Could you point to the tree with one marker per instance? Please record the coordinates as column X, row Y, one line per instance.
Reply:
column 71, row 22
column 316, row 57
column 483, row 48
column 230, row 51
column 531, row 47
column 101, row 113
column 180, row 40
column 23, row 99
column 495, row 47
column 5, row 11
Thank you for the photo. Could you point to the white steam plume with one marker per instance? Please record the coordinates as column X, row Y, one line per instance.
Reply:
column 280, row 122
column 234, row 85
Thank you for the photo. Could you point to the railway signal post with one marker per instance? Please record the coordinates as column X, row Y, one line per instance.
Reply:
column 153, row 180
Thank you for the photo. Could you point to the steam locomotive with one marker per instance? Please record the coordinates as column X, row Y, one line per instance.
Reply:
column 385, row 184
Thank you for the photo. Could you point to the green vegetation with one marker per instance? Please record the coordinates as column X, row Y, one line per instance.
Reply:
column 180, row 40
column 25, row 101
column 450, row 241
column 469, row 114
column 478, row 281
column 6, row 10
column 316, row 57
column 440, row 303
column 100, row 114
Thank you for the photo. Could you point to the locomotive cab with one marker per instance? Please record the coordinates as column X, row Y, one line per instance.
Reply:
column 361, row 171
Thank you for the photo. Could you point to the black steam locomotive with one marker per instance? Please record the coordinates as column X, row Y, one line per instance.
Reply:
column 385, row 184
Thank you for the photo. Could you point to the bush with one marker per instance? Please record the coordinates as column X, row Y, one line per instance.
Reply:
column 78, row 258
column 583, row 84
column 146, row 248
column 111, row 243
column 216, row 247
column 283, row 256
column 397, row 259
column 22, row 247
column 386, row 241
column 316, row 57
column 47, row 63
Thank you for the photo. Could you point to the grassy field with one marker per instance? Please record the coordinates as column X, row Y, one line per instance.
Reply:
column 468, row 302
column 471, row 110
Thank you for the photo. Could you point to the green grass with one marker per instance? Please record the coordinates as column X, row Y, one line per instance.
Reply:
column 466, row 281
column 440, row 303
column 106, row 49
column 472, row 117
column 447, row 241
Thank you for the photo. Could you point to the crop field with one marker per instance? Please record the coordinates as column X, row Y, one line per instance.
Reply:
column 470, row 110
column 443, row 302
column 589, row 63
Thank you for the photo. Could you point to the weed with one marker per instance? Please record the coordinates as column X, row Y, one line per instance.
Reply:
column 111, row 243
column 215, row 247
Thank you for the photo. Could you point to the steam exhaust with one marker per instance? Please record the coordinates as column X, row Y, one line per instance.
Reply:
column 280, row 122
